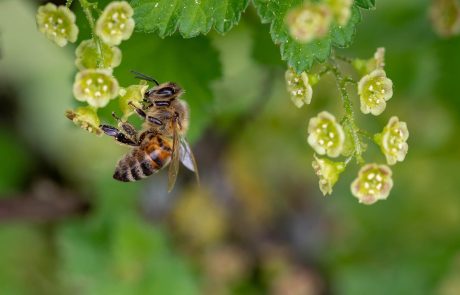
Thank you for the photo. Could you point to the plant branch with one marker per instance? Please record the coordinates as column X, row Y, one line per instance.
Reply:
column 349, row 119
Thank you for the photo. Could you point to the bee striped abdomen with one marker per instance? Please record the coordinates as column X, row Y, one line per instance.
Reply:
column 144, row 161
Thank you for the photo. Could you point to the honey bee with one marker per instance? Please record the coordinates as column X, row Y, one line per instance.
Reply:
column 161, row 141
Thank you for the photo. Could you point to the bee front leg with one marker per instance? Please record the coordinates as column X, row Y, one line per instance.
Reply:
column 139, row 111
column 129, row 129
column 118, row 135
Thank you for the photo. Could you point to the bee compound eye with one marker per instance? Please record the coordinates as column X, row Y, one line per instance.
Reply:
column 165, row 91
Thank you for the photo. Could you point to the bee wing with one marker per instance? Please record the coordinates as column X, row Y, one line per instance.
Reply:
column 174, row 165
column 187, row 158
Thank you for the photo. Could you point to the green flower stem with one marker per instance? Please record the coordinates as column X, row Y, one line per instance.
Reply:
column 87, row 6
column 349, row 119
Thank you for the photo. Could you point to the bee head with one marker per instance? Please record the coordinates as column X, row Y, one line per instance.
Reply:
column 163, row 94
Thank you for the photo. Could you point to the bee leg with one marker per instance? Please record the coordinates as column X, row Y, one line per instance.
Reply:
column 154, row 120
column 129, row 129
column 118, row 135
column 139, row 111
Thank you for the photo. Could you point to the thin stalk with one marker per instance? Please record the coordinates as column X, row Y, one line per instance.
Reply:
column 349, row 119
column 86, row 6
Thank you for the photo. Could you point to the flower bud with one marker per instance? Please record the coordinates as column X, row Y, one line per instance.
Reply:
column 328, row 172
column 445, row 17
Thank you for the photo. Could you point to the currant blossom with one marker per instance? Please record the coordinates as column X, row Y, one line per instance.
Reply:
column 374, row 90
column 309, row 22
column 393, row 140
column 328, row 172
column 86, row 118
column 366, row 66
column 341, row 10
column 133, row 93
column 298, row 87
column 57, row 23
column 115, row 23
column 87, row 55
column 445, row 17
column 373, row 183
column 326, row 136
column 95, row 86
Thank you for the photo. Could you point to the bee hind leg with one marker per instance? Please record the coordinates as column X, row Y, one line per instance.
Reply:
column 118, row 135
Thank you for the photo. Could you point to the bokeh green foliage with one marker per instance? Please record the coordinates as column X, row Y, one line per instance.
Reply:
column 405, row 245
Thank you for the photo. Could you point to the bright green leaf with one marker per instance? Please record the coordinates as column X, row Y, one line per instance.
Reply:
column 190, row 17
column 366, row 4
column 301, row 56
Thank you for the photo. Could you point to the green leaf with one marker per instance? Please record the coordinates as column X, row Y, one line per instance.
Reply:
column 301, row 56
column 366, row 4
column 190, row 17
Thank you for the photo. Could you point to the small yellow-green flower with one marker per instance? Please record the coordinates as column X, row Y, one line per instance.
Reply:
column 445, row 17
column 298, row 87
column 87, row 55
column 95, row 86
column 326, row 135
column 328, row 172
column 115, row 23
column 133, row 93
column 309, row 21
column 341, row 10
column 86, row 118
column 374, row 90
column 373, row 183
column 393, row 140
column 57, row 23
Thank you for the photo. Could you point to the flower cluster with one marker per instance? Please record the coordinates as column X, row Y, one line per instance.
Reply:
column 95, row 57
column 312, row 21
column 333, row 138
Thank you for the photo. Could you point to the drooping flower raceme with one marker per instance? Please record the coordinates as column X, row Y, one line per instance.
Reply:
column 298, row 87
column 341, row 10
column 374, row 90
column 309, row 21
column 87, row 55
column 95, row 86
column 328, row 172
column 393, row 140
column 115, row 23
column 373, row 183
column 86, row 118
column 133, row 93
column 326, row 135
column 57, row 23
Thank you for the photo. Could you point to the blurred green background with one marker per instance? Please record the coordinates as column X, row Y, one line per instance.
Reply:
column 258, row 224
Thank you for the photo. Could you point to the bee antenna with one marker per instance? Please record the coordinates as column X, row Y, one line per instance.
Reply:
column 144, row 77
